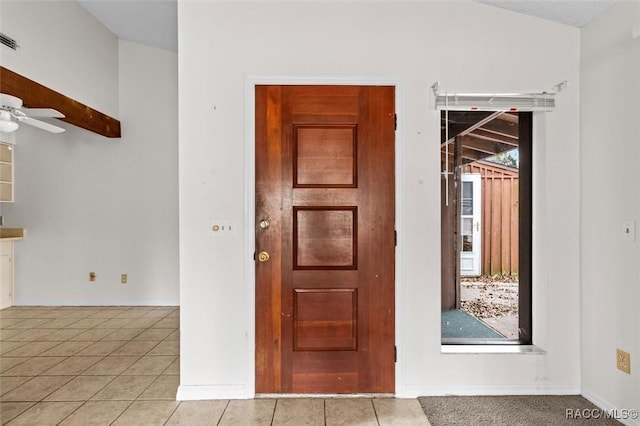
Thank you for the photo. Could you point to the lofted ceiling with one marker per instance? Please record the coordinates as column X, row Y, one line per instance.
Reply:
column 155, row 23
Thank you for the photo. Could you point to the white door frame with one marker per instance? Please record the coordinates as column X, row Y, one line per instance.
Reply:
column 250, row 158
column 475, row 256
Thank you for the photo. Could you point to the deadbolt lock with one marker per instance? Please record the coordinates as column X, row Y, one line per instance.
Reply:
column 263, row 256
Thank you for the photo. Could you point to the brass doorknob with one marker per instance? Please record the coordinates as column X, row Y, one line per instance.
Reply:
column 264, row 224
column 263, row 256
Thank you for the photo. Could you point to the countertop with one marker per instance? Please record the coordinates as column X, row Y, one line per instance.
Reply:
column 12, row 234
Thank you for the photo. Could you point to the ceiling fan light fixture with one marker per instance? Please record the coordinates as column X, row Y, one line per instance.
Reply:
column 7, row 125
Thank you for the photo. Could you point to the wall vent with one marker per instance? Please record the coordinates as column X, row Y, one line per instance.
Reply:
column 8, row 41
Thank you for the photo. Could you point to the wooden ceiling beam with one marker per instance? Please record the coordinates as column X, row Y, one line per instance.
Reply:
column 35, row 95
column 502, row 127
column 494, row 136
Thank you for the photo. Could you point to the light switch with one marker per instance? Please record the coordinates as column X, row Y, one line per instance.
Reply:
column 629, row 230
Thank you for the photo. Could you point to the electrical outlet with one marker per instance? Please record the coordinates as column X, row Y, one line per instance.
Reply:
column 123, row 278
column 92, row 276
column 629, row 230
column 623, row 361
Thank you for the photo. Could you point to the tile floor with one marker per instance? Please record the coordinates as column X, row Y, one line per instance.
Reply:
column 120, row 366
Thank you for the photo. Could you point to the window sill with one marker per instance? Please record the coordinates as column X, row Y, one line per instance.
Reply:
column 492, row 349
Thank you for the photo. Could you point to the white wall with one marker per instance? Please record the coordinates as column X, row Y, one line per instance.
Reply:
column 464, row 45
column 64, row 48
column 610, row 194
column 89, row 203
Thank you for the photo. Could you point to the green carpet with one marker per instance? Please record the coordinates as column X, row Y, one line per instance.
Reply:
column 456, row 323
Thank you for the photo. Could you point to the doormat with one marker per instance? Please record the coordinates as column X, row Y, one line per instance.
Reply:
column 521, row 410
column 456, row 323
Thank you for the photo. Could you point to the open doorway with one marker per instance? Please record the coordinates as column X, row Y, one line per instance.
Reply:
column 486, row 227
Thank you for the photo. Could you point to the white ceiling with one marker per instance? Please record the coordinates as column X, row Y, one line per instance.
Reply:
column 149, row 22
column 571, row 12
column 154, row 22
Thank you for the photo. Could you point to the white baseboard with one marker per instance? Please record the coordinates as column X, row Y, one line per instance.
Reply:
column 606, row 405
column 97, row 302
column 197, row 392
column 414, row 391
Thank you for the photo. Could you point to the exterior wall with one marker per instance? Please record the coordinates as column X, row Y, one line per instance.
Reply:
column 225, row 46
column 500, row 251
column 610, row 195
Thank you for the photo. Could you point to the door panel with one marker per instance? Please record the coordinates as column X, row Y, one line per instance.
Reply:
column 325, row 185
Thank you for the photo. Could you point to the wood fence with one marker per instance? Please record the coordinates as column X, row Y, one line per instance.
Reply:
column 500, row 207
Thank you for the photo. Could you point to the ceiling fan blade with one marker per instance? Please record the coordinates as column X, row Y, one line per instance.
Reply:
column 42, row 112
column 41, row 125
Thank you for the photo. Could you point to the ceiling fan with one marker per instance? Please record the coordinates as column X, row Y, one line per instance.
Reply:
column 12, row 113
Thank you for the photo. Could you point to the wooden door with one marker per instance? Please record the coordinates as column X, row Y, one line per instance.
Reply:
column 325, row 214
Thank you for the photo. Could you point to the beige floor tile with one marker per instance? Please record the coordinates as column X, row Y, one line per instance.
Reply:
column 164, row 387
column 130, row 314
column 299, row 412
column 29, row 323
column 9, row 383
column 149, row 366
column 147, row 413
column 72, row 365
column 66, row 349
column 7, row 363
column 59, row 323
column 80, row 388
column 111, row 365
column 123, row 334
column 141, row 323
column 79, row 313
column 15, row 312
column 349, row 411
column 101, row 348
column 174, row 336
column 36, row 389
column 30, row 335
column 167, row 323
column 32, row 349
column 96, row 413
column 249, row 412
column 154, row 334
column 7, row 322
column 166, row 347
column 106, row 313
column 6, row 347
column 60, row 335
column 87, row 323
column 198, row 413
column 114, row 323
column 174, row 368
column 400, row 412
column 49, row 313
column 138, row 347
column 124, row 388
column 6, row 335
column 93, row 334
column 10, row 410
column 46, row 413
column 156, row 313
column 34, row 366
